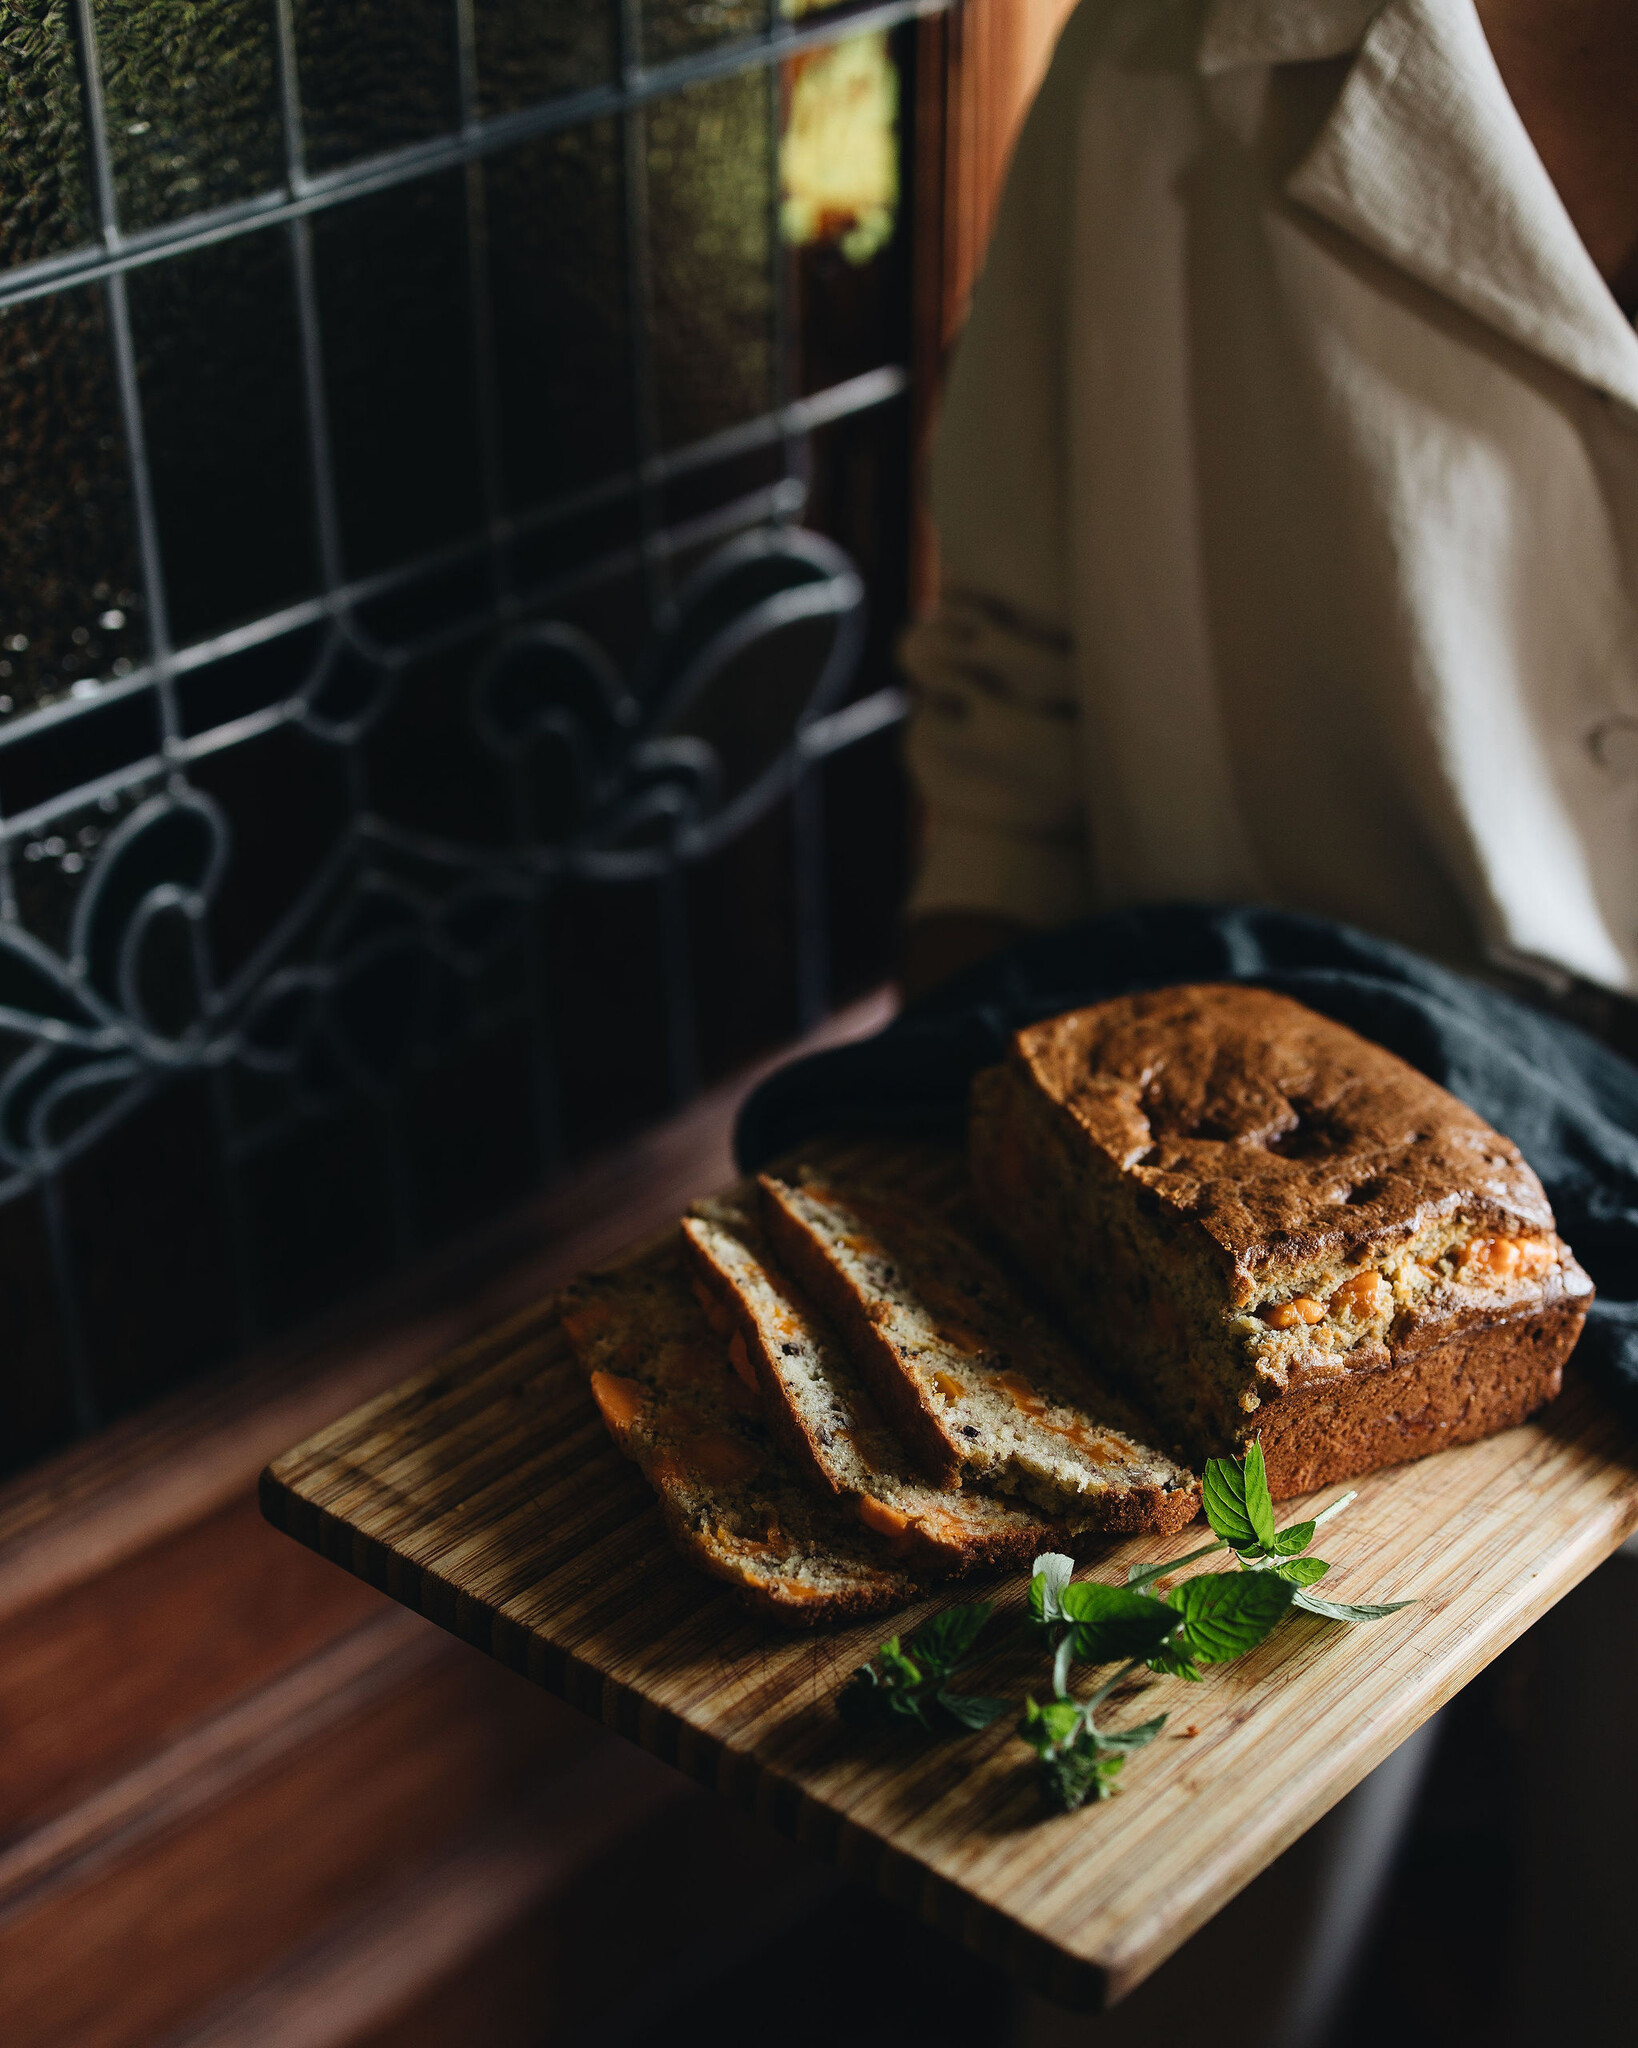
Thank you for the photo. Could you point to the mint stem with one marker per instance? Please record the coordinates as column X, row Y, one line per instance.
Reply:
column 1096, row 1700
column 1148, row 1573
column 1145, row 1575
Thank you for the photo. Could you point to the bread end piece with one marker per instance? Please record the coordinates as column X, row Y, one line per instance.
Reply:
column 1271, row 1230
column 729, row 1501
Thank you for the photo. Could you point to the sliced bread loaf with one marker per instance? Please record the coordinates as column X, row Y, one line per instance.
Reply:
column 821, row 1411
column 732, row 1502
column 972, row 1377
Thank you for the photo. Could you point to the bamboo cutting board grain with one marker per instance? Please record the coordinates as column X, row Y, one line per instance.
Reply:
column 484, row 1494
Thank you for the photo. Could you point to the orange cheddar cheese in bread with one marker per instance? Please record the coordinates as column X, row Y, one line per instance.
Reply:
column 620, row 1401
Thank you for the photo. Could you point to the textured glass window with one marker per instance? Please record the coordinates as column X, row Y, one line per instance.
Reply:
column 441, row 726
column 192, row 105
column 395, row 313
column 559, row 269
column 44, row 200
column 69, row 603
column 374, row 74
column 218, row 354
column 672, row 28
column 710, row 217
column 531, row 50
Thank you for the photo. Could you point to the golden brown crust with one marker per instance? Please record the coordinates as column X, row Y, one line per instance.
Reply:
column 1452, row 1387
column 1274, row 1132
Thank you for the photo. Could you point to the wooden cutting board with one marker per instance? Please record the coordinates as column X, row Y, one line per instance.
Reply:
column 484, row 1494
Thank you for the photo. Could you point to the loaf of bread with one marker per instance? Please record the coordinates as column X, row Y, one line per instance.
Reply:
column 1269, row 1228
column 976, row 1383
column 732, row 1502
column 824, row 1416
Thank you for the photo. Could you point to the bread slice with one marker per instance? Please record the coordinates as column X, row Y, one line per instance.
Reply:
column 975, row 1381
column 820, row 1409
column 1271, row 1228
column 732, row 1502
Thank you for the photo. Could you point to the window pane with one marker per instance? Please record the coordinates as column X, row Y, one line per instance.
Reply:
column 44, row 200
column 191, row 103
column 557, row 264
column 395, row 311
column 531, row 50
column 50, row 868
column 218, row 354
column 839, row 211
column 69, row 603
column 671, row 28
column 374, row 74
column 710, row 182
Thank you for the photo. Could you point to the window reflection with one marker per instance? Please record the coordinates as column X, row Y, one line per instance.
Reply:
column 839, row 158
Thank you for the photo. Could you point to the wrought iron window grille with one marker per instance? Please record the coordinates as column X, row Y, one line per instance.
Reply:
column 617, row 770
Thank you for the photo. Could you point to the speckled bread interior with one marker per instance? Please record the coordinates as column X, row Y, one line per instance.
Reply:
column 819, row 1409
column 1269, row 1228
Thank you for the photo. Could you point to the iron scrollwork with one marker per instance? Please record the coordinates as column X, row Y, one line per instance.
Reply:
column 612, row 778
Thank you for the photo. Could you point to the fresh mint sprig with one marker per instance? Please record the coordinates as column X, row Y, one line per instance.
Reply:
column 1076, row 1760
column 911, row 1682
column 1241, row 1513
column 1206, row 1620
column 1209, row 1619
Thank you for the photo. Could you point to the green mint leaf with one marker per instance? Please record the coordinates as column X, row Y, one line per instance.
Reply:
column 1259, row 1503
column 971, row 1711
column 1223, row 1492
column 1045, row 1727
column 942, row 1642
column 1075, row 1777
column 1130, row 1738
column 1051, row 1572
column 896, row 1668
column 1303, row 1571
column 869, row 1700
column 1114, row 1622
column 1227, row 1613
column 1337, row 1610
column 1075, row 1762
column 1096, row 1600
column 1291, row 1542
column 1174, row 1660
